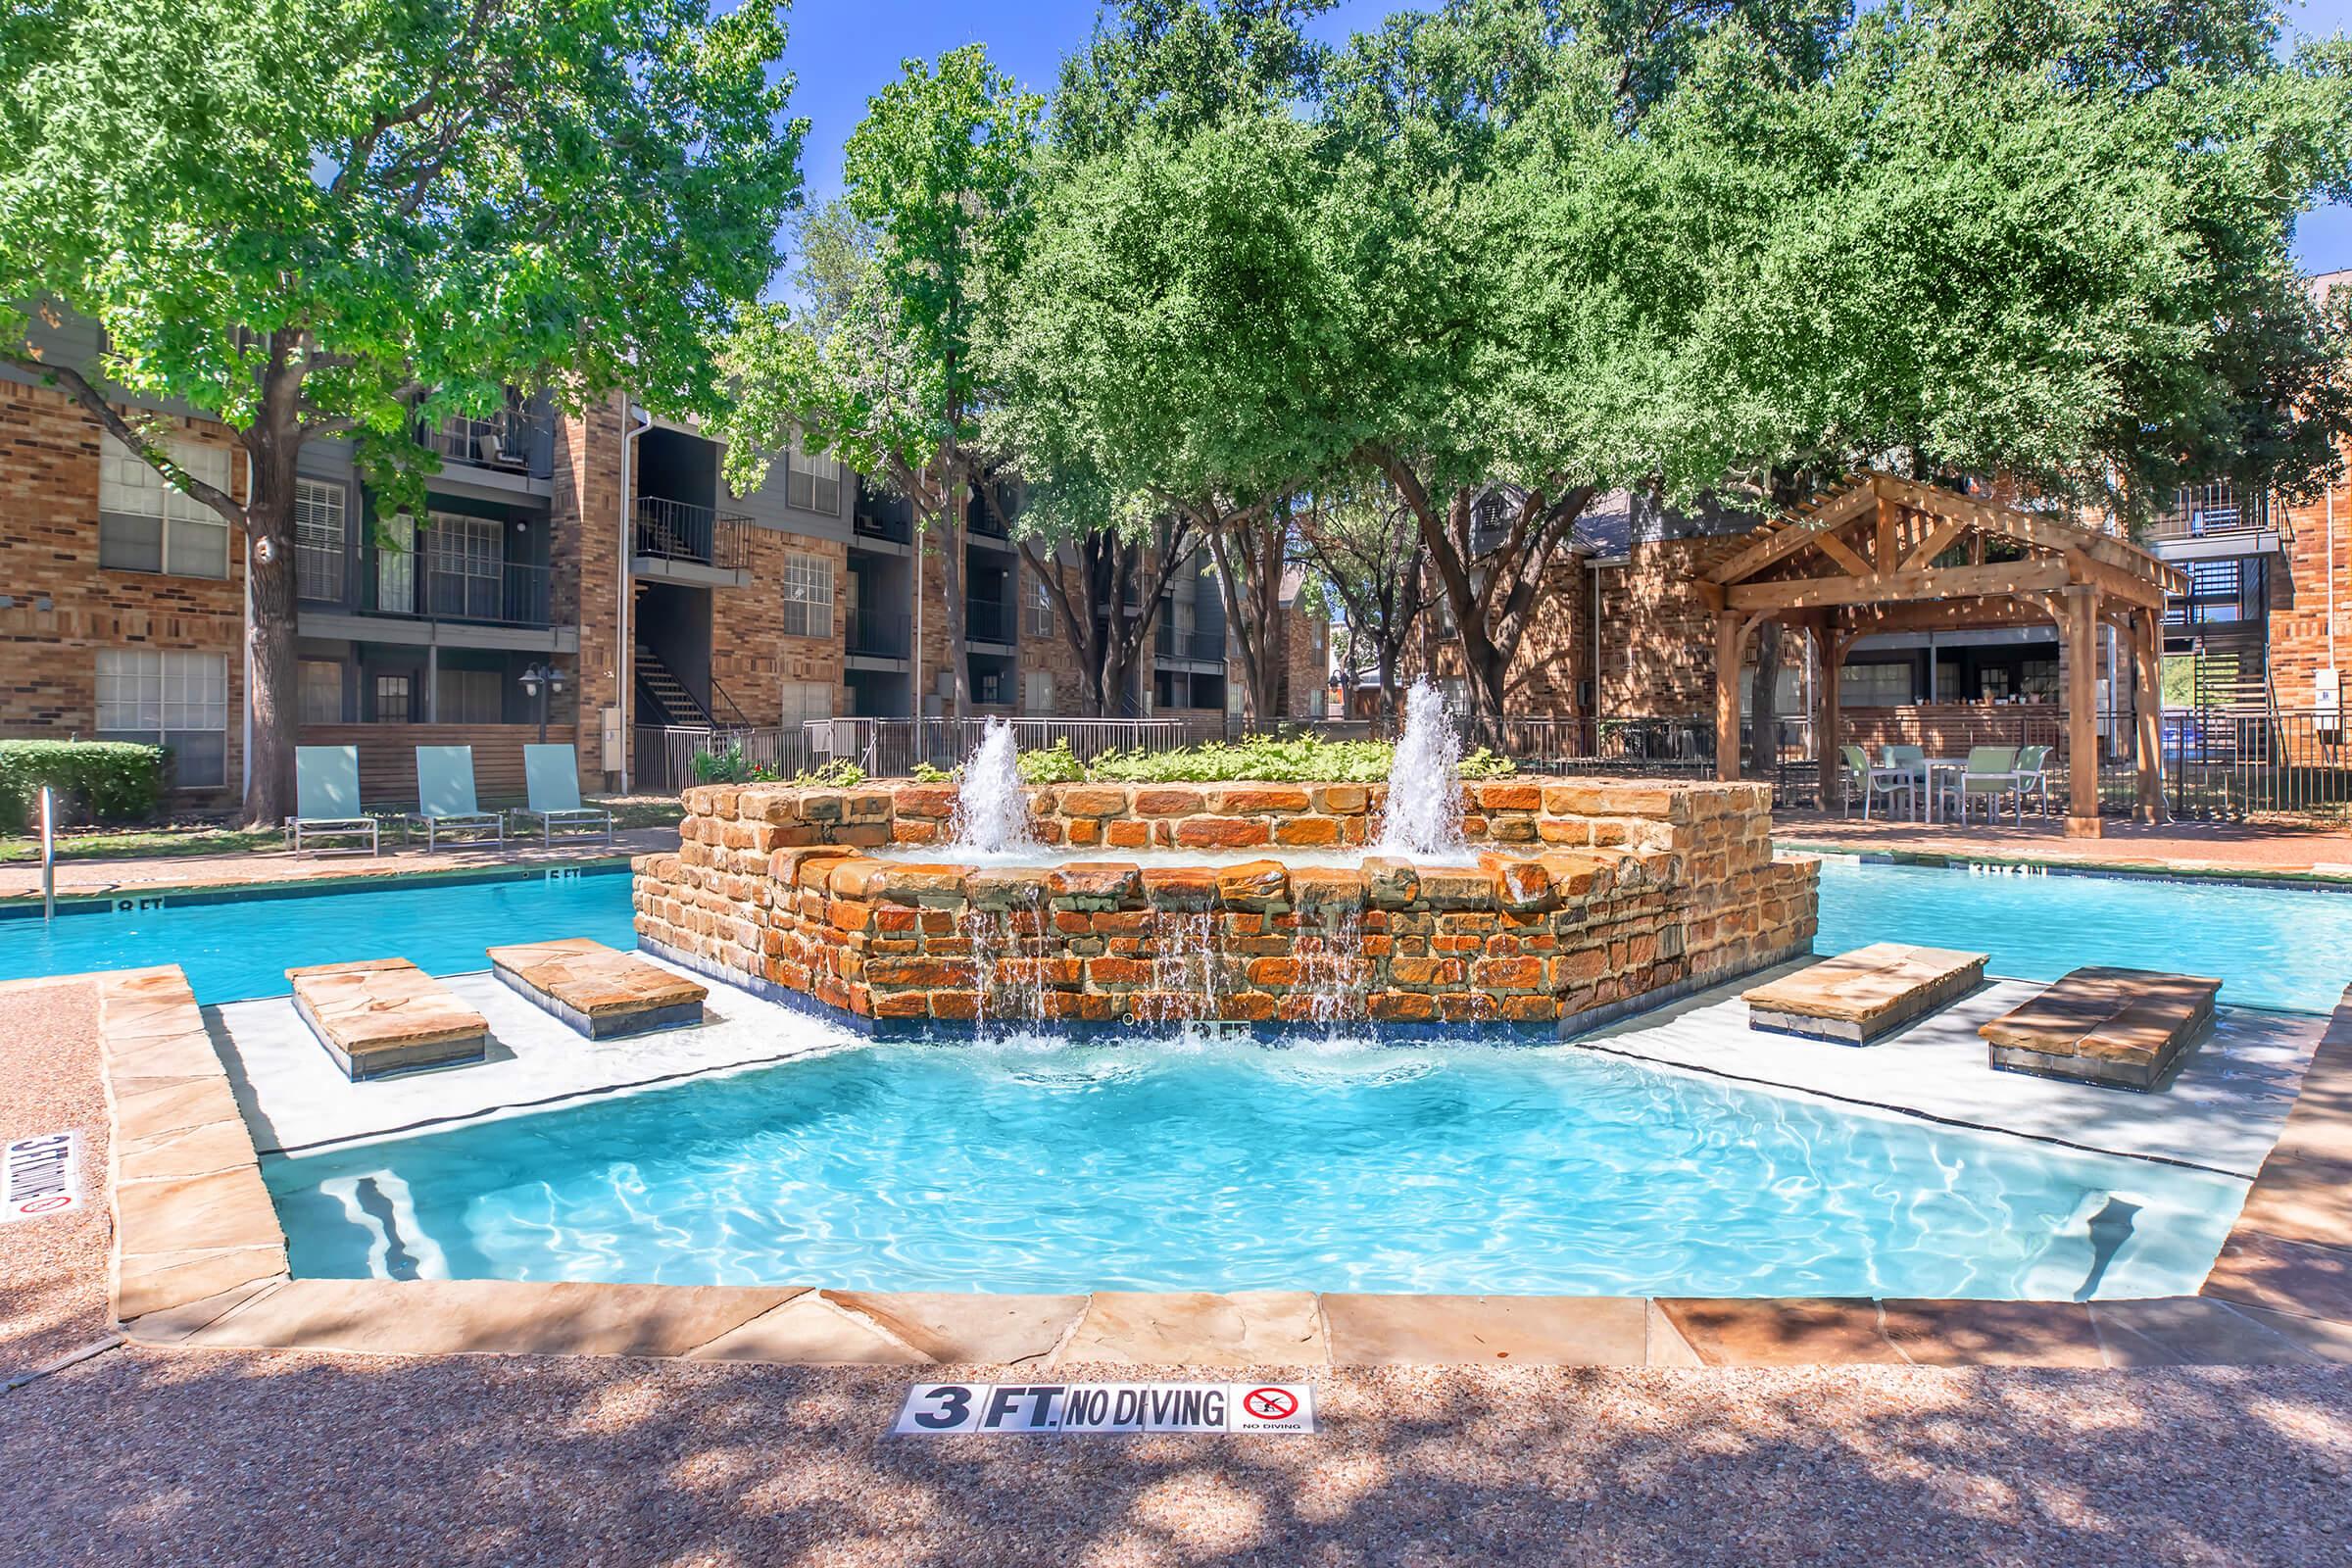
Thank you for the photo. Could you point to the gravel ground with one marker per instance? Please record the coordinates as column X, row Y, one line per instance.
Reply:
column 53, row 1271
column 279, row 1458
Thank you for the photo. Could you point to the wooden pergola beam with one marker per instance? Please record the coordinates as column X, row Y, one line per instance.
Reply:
column 1946, row 614
column 2026, row 526
column 1941, row 582
column 1842, row 511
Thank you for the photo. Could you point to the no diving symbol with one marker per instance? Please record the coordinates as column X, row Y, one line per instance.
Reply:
column 1270, row 1405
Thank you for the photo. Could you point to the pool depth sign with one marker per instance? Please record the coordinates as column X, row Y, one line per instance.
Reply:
column 1042, row 1409
column 41, row 1176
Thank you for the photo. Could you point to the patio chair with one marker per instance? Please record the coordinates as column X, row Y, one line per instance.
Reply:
column 445, row 800
column 1886, row 781
column 2033, row 778
column 553, row 774
column 327, row 799
column 1990, row 774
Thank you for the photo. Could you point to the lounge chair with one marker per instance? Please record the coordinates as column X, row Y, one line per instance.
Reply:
column 327, row 799
column 553, row 773
column 1990, row 774
column 1886, row 781
column 445, row 800
column 2033, row 778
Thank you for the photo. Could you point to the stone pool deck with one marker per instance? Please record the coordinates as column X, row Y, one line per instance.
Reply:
column 2176, row 848
column 165, row 1454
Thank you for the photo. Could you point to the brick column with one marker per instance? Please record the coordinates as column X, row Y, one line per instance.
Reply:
column 586, row 554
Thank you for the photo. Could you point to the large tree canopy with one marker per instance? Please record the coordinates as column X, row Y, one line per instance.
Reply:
column 326, row 220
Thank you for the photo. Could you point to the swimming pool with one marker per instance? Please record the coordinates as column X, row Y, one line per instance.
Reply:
column 2273, row 947
column 1346, row 1165
column 238, row 947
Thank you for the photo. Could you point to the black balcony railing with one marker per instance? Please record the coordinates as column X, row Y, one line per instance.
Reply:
column 2207, row 511
column 878, row 634
column 882, row 525
column 1171, row 643
column 988, row 621
column 504, row 594
column 680, row 530
column 509, row 439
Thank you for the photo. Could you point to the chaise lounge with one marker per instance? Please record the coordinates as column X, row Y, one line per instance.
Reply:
column 1857, row 997
column 2123, row 1027
column 602, row 993
column 383, row 1016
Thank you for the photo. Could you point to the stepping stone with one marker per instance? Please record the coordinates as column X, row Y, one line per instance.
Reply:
column 2124, row 1027
column 382, row 1015
column 599, row 992
column 1859, row 995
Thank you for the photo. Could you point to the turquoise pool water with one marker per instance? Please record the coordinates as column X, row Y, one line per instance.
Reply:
column 2272, row 947
column 235, row 948
column 2275, row 948
column 1033, row 1165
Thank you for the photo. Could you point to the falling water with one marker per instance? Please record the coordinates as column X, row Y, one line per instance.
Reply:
column 1425, row 785
column 1331, row 967
column 1185, row 965
column 992, row 809
column 1008, row 963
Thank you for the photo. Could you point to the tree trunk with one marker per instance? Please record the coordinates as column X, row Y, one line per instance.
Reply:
column 270, row 638
column 951, row 529
column 1764, row 731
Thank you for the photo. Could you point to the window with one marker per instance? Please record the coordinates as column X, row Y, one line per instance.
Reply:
column 319, row 696
column 1036, row 695
column 812, row 483
column 804, row 700
column 1040, row 609
column 145, row 525
column 808, row 596
column 1883, row 685
column 176, row 700
column 396, row 565
column 318, row 540
column 391, row 699
column 467, row 561
column 470, row 697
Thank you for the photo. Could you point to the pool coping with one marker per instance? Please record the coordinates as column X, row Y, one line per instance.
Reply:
column 2114, row 870
column 199, row 1262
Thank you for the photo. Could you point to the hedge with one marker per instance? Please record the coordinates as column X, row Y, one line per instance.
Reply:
column 96, row 781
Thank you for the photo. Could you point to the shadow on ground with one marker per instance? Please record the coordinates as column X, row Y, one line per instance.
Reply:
column 284, row 1458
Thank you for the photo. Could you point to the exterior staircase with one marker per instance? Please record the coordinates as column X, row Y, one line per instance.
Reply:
column 662, row 699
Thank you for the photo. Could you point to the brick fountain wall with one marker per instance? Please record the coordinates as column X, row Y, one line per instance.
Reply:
column 1612, row 895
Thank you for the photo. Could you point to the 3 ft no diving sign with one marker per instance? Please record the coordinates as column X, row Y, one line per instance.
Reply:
column 40, row 1176
column 1040, row 1409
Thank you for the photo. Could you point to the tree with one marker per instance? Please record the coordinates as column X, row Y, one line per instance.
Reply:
column 340, row 220
column 1367, row 546
column 878, row 367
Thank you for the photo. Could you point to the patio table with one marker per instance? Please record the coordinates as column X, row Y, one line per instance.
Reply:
column 1925, row 770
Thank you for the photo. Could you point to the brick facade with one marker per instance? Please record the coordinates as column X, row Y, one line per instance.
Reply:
column 2317, row 541
column 751, row 656
column 62, row 607
column 585, row 558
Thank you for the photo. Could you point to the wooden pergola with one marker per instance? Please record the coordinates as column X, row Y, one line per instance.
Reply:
column 1882, row 554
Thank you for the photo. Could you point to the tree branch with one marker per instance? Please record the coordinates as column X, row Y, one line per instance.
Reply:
column 78, row 387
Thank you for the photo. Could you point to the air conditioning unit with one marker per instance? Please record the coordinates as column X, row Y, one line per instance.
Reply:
column 2327, row 701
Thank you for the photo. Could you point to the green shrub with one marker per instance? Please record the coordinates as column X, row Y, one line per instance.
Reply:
column 96, row 781
column 1052, row 765
column 1278, row 758
column 730, row 766
column 839, row 775
column 929, row 774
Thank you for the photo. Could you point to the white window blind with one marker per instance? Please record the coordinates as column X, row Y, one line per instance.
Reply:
column 175, row 700
column 812, row 483
column 808, row 596
column 145, row 525
column 318, row 534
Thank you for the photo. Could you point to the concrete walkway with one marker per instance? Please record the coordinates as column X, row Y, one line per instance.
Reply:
column 2193, row 847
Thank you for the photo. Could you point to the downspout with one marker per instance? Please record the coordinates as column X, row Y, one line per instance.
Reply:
column 625, row 655
column 2332, row 663
column 245, row 751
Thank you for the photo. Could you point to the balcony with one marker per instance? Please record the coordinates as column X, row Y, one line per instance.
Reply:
column 876, row 634
column 2210, row 520
column 1170, row 643
column 681, row 531
column 412, row 587
column 883, row 527
column 516, row 440
column 985, row 620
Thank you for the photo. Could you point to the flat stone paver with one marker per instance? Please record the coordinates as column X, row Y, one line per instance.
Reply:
column 381, row 1015
column 1202, row 1328
column 2102, row 1025
column 599, row 991
column 1486, row 1329
column 1856, row 997
column 2214, row 848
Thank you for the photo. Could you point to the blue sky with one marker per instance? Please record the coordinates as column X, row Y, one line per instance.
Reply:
column 844, row 51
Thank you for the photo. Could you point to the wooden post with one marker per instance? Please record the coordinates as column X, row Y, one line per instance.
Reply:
column 2148, row 708
column 1727, row 696
column 2081, row 711
column 1884, row 559
column 1826, row 718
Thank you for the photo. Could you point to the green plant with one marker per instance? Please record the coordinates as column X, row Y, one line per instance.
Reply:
column 927, row 773
column 104, row 781
column 839, row 775
column 1052, row 765
column 721, row 767
column 1289, row 758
